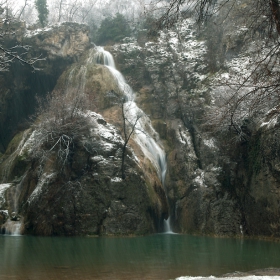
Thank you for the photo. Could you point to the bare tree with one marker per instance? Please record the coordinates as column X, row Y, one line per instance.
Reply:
column 61, row 2
column 13, row 8
column 77, row 10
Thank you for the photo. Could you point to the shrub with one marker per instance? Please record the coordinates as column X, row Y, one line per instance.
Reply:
column 60, row 122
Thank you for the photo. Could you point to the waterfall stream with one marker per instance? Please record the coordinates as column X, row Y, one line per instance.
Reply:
column 146, row 137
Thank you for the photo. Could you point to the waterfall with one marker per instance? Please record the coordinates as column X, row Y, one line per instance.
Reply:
column 146, row 137
column 77, row 77
column 13, row 224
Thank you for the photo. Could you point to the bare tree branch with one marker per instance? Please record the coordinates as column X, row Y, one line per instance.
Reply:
column 19, row 53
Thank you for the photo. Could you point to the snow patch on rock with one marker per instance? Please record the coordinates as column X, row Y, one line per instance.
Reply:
column 116, row 180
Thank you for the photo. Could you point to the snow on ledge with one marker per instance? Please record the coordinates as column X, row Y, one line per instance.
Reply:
column 209, row 143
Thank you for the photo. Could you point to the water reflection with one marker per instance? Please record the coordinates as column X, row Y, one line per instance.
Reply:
column 10, row 256
column 152, row 257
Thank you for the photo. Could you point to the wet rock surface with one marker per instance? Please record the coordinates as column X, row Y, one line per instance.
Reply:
column 56, row 48
column 213, row 185
column 87, row 196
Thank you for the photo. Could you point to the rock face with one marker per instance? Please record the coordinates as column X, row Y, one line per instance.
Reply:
column 65, row 170
column 64, row 40
column 257, row 180
column 58, row 47
column 94, row 80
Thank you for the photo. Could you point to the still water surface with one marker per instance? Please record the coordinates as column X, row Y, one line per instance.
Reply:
column 162, row 256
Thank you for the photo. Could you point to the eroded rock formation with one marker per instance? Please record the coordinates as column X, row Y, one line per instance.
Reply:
column 213, row 185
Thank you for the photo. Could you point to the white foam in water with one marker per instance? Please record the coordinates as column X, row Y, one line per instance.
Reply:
column 230, row 278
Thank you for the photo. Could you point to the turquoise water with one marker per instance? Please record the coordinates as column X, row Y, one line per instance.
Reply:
column 159, row 256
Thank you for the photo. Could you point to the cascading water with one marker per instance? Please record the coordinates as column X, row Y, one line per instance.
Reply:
column 13, row 225
column 146, row 135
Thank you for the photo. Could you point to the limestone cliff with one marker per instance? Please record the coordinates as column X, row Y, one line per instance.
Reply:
column 58, row 47
column 62, row 175
column 214, row 184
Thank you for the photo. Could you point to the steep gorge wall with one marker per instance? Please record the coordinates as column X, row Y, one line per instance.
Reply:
column 215, row 185
column 58, row 47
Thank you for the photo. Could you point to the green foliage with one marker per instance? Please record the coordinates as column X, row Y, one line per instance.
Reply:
column 14, row 162
column 255, row 154
column 19, row 166
column 113, row 30
column 43, row 12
